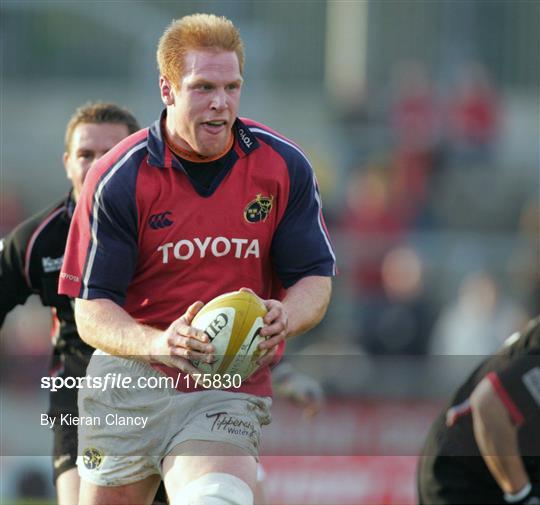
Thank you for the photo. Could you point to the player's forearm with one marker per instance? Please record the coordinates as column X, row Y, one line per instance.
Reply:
column 106, row 326
column 306, row 303
column 497, row 439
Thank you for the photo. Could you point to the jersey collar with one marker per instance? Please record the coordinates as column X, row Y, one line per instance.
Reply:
column 160, row 155
column 245, row 141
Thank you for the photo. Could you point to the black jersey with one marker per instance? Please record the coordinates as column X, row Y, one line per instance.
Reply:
column 451, row 453
column 30, row 262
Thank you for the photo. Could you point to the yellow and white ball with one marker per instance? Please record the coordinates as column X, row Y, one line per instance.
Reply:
column 233, row 322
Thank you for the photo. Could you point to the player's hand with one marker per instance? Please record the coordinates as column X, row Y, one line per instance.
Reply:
column 299, row 388
column 180, row 343
column 275, row 329
column 531, row 498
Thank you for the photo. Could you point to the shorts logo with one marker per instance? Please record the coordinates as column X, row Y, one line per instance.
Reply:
column 92, row 458
column 232, row 425
column 160, row 220
column 258, row 209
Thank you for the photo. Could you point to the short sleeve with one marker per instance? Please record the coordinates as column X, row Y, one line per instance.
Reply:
column 14, row 287
column 102, row 246
column 301, row 246
column 518, row 385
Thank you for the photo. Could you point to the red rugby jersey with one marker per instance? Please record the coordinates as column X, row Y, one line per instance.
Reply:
column 151, row 239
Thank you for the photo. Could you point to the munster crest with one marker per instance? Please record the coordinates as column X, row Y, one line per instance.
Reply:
column 258, row 209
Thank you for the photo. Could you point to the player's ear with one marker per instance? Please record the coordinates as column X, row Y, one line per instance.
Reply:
column 167, row 91
column 65, row 159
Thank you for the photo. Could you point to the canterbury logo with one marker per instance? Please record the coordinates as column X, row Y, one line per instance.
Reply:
column 161, row 220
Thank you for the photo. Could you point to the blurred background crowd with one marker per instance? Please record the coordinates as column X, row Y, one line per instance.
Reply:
column 422, row 122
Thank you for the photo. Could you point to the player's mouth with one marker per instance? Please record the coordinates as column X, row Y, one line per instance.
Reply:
column 215, row 126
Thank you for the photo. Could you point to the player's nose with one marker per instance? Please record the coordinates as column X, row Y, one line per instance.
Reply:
column 219, row 100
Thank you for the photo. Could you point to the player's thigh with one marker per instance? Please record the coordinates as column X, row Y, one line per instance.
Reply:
column 67, row 487
column 137, row 493
column 194, row 458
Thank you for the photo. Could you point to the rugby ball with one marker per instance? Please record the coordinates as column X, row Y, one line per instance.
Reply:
column 232, row 321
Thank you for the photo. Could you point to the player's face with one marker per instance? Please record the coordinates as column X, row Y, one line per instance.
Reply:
column 89, row 142
column 202, row 108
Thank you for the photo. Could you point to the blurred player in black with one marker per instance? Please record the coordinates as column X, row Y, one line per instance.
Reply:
column 30, row 260
column 485, row 446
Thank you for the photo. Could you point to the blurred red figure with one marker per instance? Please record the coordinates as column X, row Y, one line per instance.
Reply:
column 415, row 120
column 374, row 222
column 473, row 113
column 414, row 111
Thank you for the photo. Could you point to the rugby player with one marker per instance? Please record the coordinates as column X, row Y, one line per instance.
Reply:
column 30, row 261
column 485, row 445
column 200, row 203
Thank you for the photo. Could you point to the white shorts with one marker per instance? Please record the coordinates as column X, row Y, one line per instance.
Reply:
column 126, row 431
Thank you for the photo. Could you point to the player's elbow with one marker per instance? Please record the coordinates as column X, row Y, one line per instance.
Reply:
column 322, row 287
column 86, row 315
column 320, row 292
column 327, row 292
